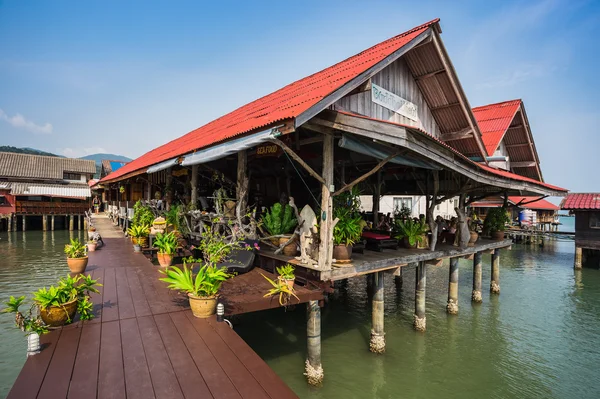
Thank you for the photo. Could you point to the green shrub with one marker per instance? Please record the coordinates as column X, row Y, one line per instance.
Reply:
column 279, row 220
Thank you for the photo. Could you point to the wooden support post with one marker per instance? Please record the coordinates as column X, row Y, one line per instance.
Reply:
column 9, row 220
column 194, row 184
column 420, row 321
column 15, row 223
column 24, row 221
column 70, row 222
column 169, row 187
column 44, row 222
column 495, row 281
column 398, row 278
column 85, row 224
column 242, row 183
column 80, row 222
column 313, row 368
column 377, row 344
column 376, row 199
column 476, row 294
column 326, row 228
column 52, row 222
column 578, row 258
column 452, row 305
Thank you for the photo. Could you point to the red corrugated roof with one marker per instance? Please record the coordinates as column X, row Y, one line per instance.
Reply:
column 541, row 204
column 494, row 120
column 581, row 201
column 284, row 104
column 498, row 172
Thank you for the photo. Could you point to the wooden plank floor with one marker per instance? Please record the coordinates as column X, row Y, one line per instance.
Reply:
column 143, row 343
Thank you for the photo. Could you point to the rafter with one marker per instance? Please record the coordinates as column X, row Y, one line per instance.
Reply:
column 458, row 135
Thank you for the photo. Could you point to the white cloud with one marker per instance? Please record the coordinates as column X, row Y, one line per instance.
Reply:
column 518, row 74
column 81, row 152
column 20, row 122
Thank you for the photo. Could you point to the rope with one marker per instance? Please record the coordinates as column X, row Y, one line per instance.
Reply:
column 299, row 175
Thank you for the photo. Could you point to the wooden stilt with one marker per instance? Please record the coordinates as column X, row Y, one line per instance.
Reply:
column 313, row 368
column 420, row 321
column 85, row 224
column 52, row 222
column 578, row 258
column 377, row 344
column 9, row 220
column 15, row 223
column 80, row 222
column 71, row 221
column 476, row 294
column 452, row 305
column 44, row 222
column 24, row 222
column 495, row 281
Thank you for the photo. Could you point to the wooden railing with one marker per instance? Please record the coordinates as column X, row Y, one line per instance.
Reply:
column 51, row 208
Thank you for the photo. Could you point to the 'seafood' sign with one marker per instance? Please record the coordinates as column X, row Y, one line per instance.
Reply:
column 268, row 150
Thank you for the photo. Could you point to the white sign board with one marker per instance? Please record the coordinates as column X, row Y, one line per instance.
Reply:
column 395, row 103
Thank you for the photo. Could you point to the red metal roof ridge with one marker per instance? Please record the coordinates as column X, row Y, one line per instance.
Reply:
column 494, row 105
column 487, row 168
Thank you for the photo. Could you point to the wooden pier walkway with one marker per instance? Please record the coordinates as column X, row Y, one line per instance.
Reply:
column 144, row 343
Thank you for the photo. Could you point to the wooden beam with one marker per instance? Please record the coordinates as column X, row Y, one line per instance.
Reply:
column 444, row 106
column 519, row 126
column 366, row 86
column 458, row 135
column 430, row 74
column 523, row 164
column 517, row 145
column 296, row 158
column 366, row 175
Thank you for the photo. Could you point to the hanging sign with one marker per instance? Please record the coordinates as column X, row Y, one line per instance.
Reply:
column 268, row 150
column 180, row 172
column 393, row 102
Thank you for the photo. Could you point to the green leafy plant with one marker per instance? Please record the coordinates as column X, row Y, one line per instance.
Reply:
column 495, row 220
column 173, row 216
column 281, row 289
column 279, row 220
column 166, row 243
column 286, row 272
column 349, row 200
column 216, row 248
column 348, row 229
column 75, row 249
column 67, row 290
column 28, row 322
column 204, row 284
column 142, row 215
column 414, row 231
column 137, row 231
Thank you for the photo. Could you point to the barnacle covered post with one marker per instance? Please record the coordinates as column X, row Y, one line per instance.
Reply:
column 452, row 305
column 313, row 368
column 377, row 344
column 420, row 323
column 476, row 294
column 495, row 281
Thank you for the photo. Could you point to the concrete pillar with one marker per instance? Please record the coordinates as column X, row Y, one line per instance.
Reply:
column 9, row 221
column 377, row 344
column 420, row 322
column 476, row 294
column 15, row 220
column 24, row 221
column 52, row 222
column 452, row 305
column 313, row 368
column 578, row 258
column 495, row 280
column 44, row 222
column 71, row 221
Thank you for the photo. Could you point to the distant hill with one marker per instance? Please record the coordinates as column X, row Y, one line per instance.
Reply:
column 26, row 150
column 99, row 157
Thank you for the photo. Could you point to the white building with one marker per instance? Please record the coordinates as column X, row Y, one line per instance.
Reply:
column 417, row 204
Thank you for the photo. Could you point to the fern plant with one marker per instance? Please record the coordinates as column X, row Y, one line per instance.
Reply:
column 411, row 230
column 205, row 284
column 348, row 229
column 279, row 220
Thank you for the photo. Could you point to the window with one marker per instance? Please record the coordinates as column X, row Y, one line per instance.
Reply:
column 71, row 176
column 3, row 200
column 594, row 220
column 402, row 202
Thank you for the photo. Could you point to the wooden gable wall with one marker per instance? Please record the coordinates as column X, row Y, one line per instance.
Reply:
column 398, row 79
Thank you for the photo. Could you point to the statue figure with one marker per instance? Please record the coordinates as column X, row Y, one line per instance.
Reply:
column 309, row 236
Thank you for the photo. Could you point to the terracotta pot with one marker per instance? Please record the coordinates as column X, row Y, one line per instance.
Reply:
column 91, row 247
column 275, row 241
column 56, row 316
column 164, row 259
column 77, row 265
column 134, row 240
column 289, row 250
column 473, row 239
column 203, row 307
column 142, row 241
column 406, row 244
column 342, row 252
column 498, row 235
column 289, row 283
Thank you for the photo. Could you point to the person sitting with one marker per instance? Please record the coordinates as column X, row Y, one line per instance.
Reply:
column 383, row 224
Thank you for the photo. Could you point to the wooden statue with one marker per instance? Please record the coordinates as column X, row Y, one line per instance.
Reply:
column 309, row 236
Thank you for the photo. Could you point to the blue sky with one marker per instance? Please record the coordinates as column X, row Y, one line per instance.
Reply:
column 80, row 77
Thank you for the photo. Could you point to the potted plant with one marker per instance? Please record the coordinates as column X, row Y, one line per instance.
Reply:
column 76, row 257
column 166, row 244
column 28, row 322
column 279, row 221
column 411, row 232
column 286, row 274
column 202, row 289
column 58, row 304
column 473, row 230
column 346, row 232
column 282, row 290
column 495, row 223
column 139, row 235
column 91, row 245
